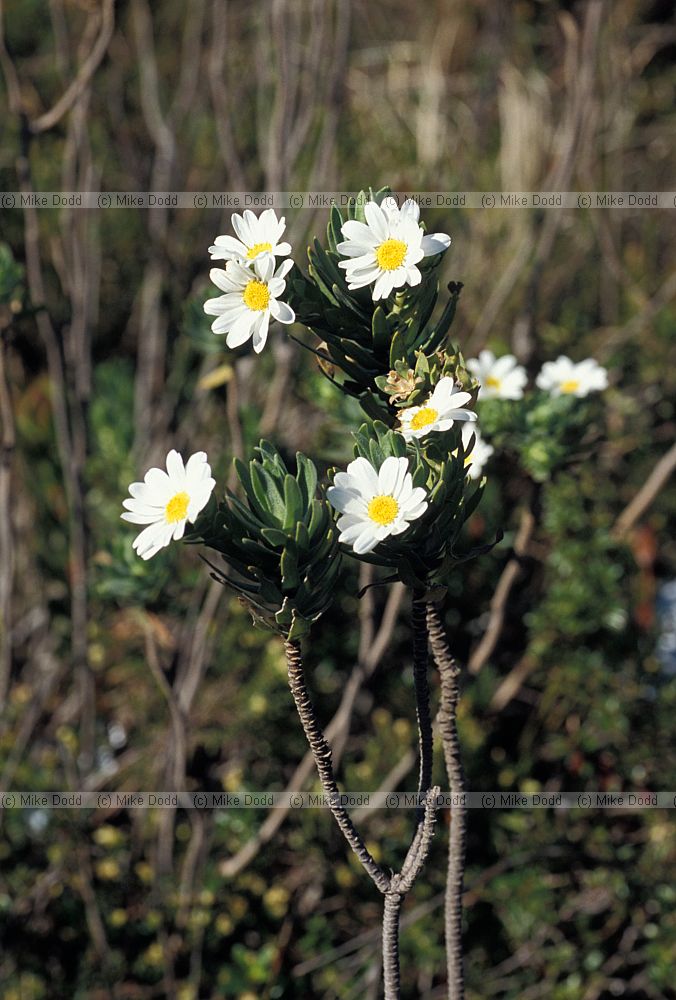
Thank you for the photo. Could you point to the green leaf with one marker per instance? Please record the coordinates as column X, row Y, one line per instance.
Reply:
column 293, row 502
column 318, row 514
column 267, row 491
column 289, row 566
column 398, row 347
column 302, row 537
column 333, row 231
column 299, row 627
column 275, row 536
column 381, row 333
column 307, row 478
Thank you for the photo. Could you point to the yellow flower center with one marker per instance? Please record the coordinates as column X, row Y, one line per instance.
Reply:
column 425, row 416
column 572, row 385
column 468, row 459
column 258, row 248
column 256, row 296
column 383, row 509
column 390, row 254
column 493, row 383
column 177, row 508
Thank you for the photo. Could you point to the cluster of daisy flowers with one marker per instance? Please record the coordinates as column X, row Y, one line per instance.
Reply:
column 504, row 378
column 382, row 252
column 252, row 283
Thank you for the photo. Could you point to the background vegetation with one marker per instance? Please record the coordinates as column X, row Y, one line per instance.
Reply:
column 122, row 675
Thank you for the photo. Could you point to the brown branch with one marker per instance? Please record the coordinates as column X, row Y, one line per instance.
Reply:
column 391, row 780
column 7, row 441
column 321, row 752
column 498, row 609
column 531, row 253
column 396, row 887
column 69, row 408
column 219, row 96
column 391, row 915
column 512, row 683
column 400, row 885
column 336, row 733
column 646, row 496
column 9, row 71
column 175, row 761
column 84, row 76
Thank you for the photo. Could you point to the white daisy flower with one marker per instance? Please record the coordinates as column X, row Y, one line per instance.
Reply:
column 565, row 378
column 480, row 453
column 257, row 235
column 251, row 298
column 438, row 413
column 375, row 504
column 500, row 378
column 384, row 250
column 166, row 501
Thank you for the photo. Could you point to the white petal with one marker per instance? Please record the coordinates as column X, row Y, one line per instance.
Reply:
column 365, row 476
column 242, row 229
column 389, row 474
column 260, row 334
column 364, row 278
column 353, row 249
column 240, row 331
column 175, row 468
column 413, row 513
column 365, row 542
column 344, row 501
column 383, row 286
column 160, row 484
column 195, row 465
column 377, row 220
column 410, row 210
column 344, row 480
column 350, row 532
column 264, row 266
column 284, row 267
column 137, row 518
column 179, row 530
column 282, row 312
column 358, row 232
column 363, row 262
column 226, row 247
column 457, row 399
column 214, row 307
column 224, row 279
column 413, row 276
column 151, row 538
column 436, row 243
column 200, row 498
column 415, row 497
column 276, row 287
column 503, row 365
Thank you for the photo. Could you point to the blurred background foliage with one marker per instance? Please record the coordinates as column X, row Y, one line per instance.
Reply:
column 122, row 675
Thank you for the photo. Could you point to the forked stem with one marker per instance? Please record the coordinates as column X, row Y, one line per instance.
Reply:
column 393, row 888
